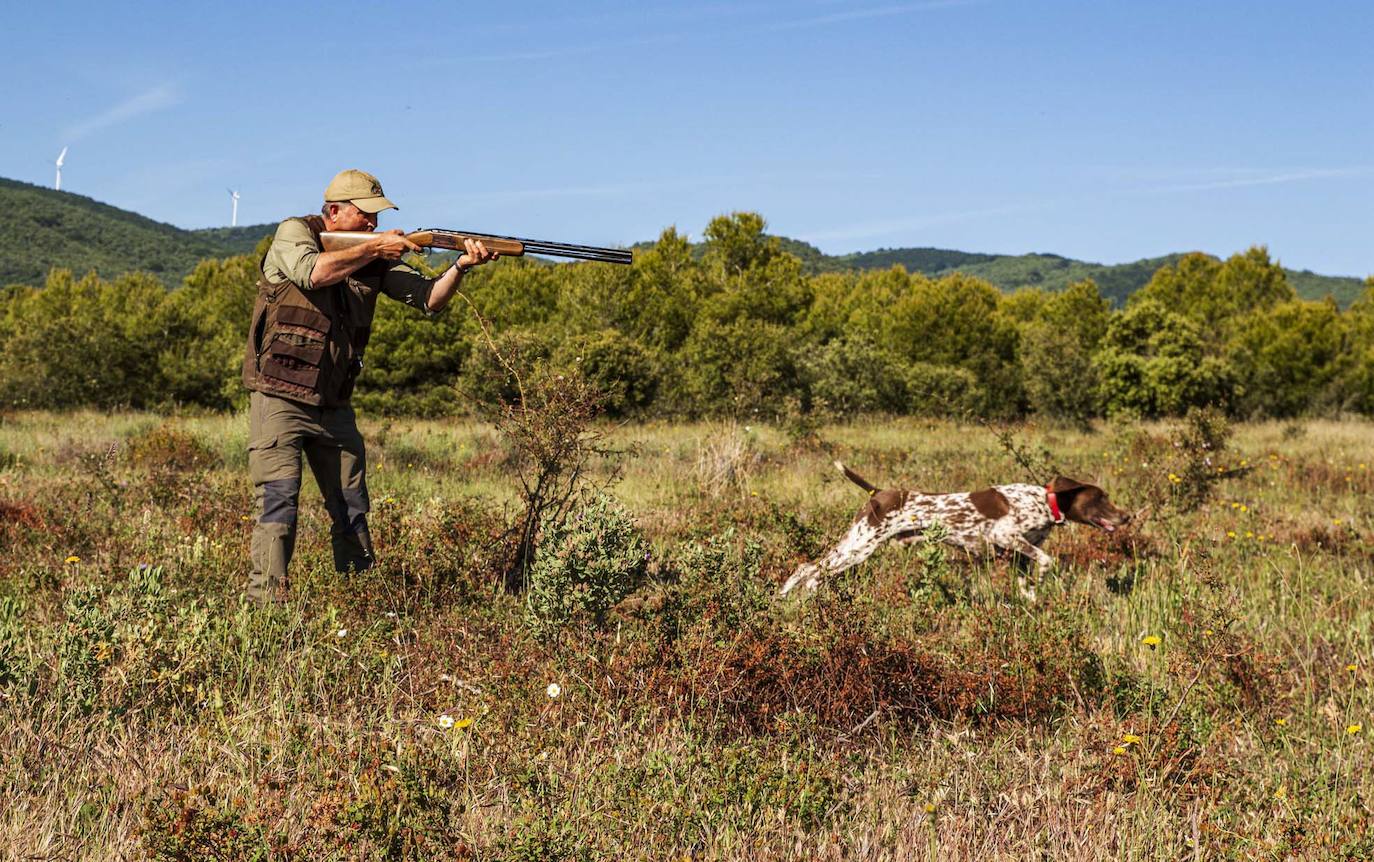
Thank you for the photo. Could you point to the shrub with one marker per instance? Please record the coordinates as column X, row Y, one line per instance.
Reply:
column 943, row 390
column 584, row 564
column 853, row 375
column 166, row 449
column 718, row 585
column 490, row 378
column 744, row 368
column 623, row 371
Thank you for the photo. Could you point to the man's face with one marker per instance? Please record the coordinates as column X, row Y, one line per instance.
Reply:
column 346, row 216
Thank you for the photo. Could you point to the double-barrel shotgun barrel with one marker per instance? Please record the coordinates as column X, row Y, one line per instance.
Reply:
column 507, row 245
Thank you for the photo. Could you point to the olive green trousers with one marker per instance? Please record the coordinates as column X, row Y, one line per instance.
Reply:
column 280, row 430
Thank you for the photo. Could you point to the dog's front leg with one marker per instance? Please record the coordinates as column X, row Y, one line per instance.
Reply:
column 1028, row 553
column 856, row 546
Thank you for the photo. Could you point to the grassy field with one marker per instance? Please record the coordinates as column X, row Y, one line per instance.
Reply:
column 1198, row 687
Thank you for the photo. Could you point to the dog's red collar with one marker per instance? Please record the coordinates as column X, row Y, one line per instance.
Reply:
column 1053, row 500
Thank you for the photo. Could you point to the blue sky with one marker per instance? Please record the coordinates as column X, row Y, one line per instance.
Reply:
column 1106, row 130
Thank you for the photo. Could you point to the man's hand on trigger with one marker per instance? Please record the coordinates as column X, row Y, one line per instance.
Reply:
column 390, row 245
column 476, row 254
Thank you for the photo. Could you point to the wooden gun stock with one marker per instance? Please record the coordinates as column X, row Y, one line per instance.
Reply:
column 334, row 240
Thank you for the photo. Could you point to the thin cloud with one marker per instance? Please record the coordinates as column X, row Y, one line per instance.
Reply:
column 1270, row 179
column 156, row 99
column 876, row 12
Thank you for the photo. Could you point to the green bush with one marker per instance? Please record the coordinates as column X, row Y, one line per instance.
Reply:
column 942, row 390
column 745, row 368
column 624, row 372
column 586, row 562
column 489, row 378
column 853, row 375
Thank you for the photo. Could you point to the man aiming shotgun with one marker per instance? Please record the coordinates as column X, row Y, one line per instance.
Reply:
column 317, row 292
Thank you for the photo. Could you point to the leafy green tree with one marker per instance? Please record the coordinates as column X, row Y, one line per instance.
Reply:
column 956, row 321
column 414, row 363
column 749, row 275
column 1214, row 293
column 1152, row 363
column 1058, row 341
column 625, row 373
column 743, row 368
column 664, row 293
column 852, row 375
column 852, row 305
column 1354, row 386
column 205, row 327
column 1286, row 358
column 83, row 342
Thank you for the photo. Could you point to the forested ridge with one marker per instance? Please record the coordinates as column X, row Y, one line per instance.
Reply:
column 734, row 326
column 60, row 229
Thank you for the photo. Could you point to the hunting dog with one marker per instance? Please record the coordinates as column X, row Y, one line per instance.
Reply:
column 1014, row 518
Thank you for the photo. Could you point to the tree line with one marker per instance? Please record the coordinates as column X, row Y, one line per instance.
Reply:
column 738, row 330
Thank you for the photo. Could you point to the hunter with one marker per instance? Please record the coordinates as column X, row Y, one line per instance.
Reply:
column 305, row 348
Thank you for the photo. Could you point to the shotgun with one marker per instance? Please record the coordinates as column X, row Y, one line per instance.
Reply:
column 334, row 240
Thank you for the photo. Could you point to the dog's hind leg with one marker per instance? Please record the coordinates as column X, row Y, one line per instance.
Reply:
column 856, row 546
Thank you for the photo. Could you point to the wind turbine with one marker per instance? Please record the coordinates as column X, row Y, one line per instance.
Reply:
column 61, row 157
column 234, row 218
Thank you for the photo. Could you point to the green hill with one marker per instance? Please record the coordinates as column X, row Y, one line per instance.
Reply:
column 1046, row 271
column 60, row 229
column 49, row 229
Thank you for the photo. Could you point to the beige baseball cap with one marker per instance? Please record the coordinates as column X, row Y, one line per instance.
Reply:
column 360, row 189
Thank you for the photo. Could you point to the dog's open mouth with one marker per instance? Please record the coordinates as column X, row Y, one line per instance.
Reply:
column 1109, row 527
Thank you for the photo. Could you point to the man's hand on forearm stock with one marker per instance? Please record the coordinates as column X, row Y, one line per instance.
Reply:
column 333, row 266
column 474, row 254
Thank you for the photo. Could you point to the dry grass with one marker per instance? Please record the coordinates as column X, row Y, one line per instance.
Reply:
column 904, row 713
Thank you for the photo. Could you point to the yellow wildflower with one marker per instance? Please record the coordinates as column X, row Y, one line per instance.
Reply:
column 1354, row 728
column 1151, row 641
column 1131, row 739
column 73, row 559
column 1244, row 508
column 1281, row 722
column 1118, row 750
column 1350, row 667
column 1230, row 534
column 930, row 807
column 463, row 723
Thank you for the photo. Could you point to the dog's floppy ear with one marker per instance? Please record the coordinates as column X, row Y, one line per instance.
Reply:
column 1065, row 485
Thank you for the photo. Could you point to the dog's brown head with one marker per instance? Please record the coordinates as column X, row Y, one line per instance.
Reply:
column 1087, row 504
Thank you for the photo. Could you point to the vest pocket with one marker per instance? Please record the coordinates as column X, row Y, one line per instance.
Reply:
column 295, row 349
column 293, row 359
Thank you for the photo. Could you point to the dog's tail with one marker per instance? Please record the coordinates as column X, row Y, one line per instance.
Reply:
column 856, row 478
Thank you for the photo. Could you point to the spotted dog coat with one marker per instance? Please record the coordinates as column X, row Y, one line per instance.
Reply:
column 1014, row 518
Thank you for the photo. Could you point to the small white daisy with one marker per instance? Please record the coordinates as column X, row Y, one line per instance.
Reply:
column 554, row 690
column 445, row 721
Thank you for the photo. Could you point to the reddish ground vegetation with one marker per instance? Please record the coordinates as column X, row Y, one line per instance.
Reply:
column 751, row 683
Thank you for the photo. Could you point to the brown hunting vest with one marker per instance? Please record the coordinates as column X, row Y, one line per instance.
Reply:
column 307, row 345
